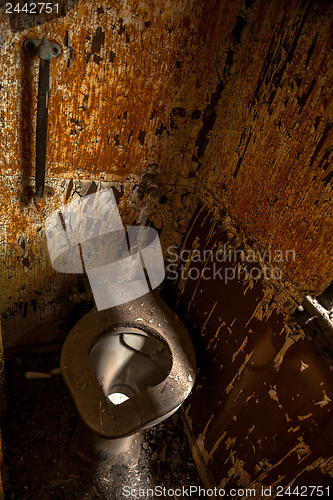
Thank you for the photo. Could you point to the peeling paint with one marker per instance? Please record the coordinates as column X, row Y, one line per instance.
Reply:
column 304, row 366
column 270, row 375
column 291, row 338
column 238, row 374
column 241, row 348
column 324, row 401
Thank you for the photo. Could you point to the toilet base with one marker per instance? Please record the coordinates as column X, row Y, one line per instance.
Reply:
column 106, row 452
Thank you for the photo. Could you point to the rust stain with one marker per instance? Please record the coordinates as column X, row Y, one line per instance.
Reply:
column 112, row 92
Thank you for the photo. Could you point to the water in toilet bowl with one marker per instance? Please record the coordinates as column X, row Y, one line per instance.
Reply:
column 127, row 360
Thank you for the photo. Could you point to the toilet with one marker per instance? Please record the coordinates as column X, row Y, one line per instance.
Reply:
column 127, row 368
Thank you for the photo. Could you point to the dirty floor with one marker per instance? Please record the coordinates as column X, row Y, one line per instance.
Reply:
column 40, row 465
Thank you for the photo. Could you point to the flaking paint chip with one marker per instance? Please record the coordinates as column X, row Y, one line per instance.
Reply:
column 304, row 366
column 324, row 401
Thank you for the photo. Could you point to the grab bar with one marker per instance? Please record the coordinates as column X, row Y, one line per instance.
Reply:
column 46, row 51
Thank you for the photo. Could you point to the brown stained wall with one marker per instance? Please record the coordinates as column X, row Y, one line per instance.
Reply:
column 228, row 102
column 266, row 141
column 261, row 409
column 127, row 97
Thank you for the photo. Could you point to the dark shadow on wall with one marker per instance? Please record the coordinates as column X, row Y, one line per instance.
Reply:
column 46, row 311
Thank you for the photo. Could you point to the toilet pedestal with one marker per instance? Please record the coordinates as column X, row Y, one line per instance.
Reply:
column 106, row 452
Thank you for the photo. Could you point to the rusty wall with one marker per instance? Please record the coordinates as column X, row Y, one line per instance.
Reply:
column 266, row 141
column 264, row 163
column 227, row 103
column 261, row 409
column 126, row 100
column 224, row 103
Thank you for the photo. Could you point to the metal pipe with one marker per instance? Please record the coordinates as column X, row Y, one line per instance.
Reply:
column 46, row 51
column 41, row 129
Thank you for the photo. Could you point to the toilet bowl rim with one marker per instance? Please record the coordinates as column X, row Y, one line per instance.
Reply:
column 169, row 329
column 77, row 370
column 75, row 343
column 122, row 328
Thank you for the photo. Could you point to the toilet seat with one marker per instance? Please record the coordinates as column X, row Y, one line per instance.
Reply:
column 150, row 314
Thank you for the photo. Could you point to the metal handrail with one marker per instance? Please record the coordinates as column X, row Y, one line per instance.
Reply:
column 46, row 51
